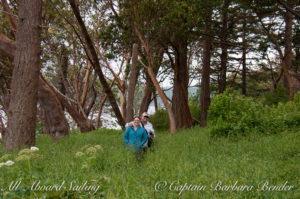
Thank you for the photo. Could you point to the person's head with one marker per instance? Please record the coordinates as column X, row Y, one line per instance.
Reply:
column 136, row 121
column 145, row 117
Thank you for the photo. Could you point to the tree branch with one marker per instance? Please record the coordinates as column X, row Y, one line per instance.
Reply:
column 95, row 62
column 288, row 8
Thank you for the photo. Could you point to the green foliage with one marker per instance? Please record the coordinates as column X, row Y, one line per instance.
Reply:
column 194, row 105
column 231, row 114
column 195, row 112
column 276, row 96
column 39, row 127
column 189, row 156
column 160, row 120
column 195, row 97
column 297, row 101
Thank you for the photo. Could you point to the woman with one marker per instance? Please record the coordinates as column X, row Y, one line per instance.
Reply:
column 135, row 136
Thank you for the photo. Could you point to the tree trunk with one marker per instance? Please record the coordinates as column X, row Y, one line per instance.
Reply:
column 7, row 46
column 180, row 107
column 149, row 89
column 224, row 47
column 161, row 93
column 50, row 111
column 78, row 118
column 123, row 100
column 155, row 101
column 132, row 84
column 86, row 84
column 146, row 98
column 71, row 108
column 164, row 99
column 244, row 69
column 100, row 111
column 282, row 58
column 288, row 43
column 53, row 118
column 22, row 107
column 205, row 87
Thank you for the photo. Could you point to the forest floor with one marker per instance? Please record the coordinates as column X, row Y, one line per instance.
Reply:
column 188, row 164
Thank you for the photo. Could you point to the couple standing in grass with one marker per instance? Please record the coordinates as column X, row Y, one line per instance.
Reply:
column 139, row 133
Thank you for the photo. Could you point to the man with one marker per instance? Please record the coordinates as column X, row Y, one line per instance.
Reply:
column 148, row 127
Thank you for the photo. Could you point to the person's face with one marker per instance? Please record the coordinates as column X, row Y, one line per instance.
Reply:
column 144, row 119
column 136, row 122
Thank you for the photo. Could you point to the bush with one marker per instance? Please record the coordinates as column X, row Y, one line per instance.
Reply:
column 276, row 96
column 297, row 101
column 160, row 120
column 195, row 112
column 292, row 119
column 231, row 114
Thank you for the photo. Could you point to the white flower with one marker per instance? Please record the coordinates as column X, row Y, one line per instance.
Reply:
column 98, row 147
column 78, row 154
column 9, row 163
column 33, row 148
column 90, row 150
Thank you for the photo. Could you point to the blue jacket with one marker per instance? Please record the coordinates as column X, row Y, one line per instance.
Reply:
column 135, row 138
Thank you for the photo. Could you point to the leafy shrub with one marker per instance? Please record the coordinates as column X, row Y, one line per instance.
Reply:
column 231, row 114
column 297, row 101
column 276, row 96
column 292, row 119
column 160, row 120
column 195, row 112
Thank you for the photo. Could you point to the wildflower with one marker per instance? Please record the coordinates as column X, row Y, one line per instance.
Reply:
column 78, row 154
column 106, row 179
column 85, row 147
column 33, row 148
column 9, row 163
column 91, row 150
column 25, row 151
column 5, row 157
column 98, row 147
column 36, row 156
column 22, row 157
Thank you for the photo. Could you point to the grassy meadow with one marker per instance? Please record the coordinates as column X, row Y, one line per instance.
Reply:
column 189, row 164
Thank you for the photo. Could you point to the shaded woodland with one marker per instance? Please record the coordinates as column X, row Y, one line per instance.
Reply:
column 68, row 60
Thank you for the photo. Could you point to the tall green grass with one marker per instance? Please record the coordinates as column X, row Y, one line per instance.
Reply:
column 189, row 156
